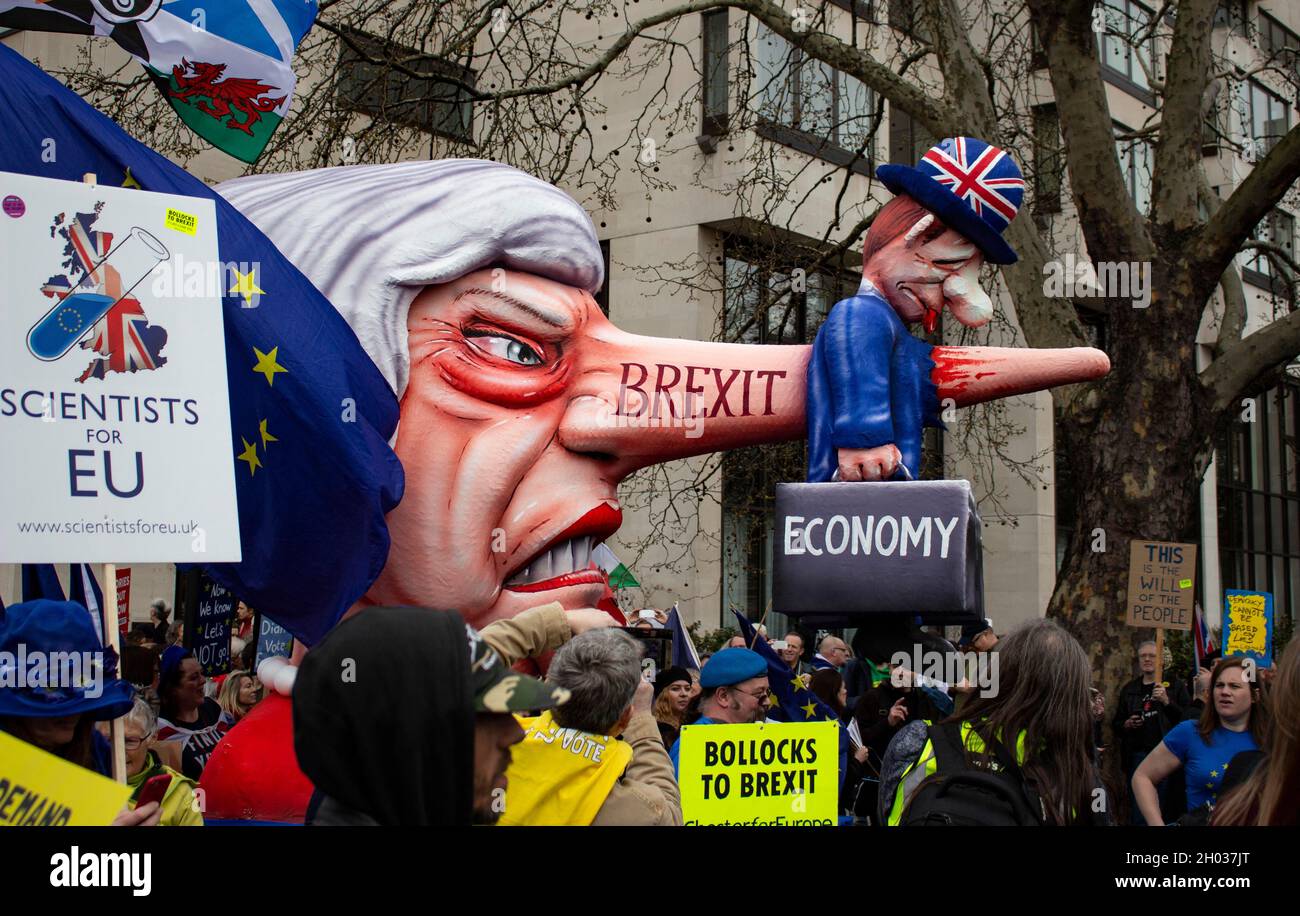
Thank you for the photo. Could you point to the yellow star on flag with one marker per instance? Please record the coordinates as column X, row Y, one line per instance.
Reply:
column 772, row 701
column 797, row 683
column 129, row 181
column 267, row 365
column 249, row 454
column 809, row 709
column 266, row 436
column 245, row 285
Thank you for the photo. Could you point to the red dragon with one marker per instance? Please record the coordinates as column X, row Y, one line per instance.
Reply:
column 227, row 97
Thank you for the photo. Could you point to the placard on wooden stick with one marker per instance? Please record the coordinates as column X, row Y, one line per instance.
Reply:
column 1161, row 585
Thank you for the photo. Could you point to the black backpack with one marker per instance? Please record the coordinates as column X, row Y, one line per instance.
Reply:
column 960, row 793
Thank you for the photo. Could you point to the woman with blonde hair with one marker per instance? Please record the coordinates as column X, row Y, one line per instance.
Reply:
column 239, row 693
column 674, row 689
column 1270, row 796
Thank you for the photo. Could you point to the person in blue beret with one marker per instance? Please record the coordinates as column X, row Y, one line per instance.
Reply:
column 56, row 681
column 733, row 685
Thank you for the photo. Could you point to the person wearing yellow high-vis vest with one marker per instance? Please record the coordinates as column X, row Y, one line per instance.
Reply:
column 572, row 769
column 925, row 766
column 1040, row 696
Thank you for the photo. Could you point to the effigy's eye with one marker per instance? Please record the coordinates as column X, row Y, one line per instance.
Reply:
column 504, row 347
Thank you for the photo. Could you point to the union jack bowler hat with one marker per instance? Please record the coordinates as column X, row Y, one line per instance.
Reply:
column 971, row 186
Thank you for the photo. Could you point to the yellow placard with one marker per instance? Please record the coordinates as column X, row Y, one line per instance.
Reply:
column 38, row 789
column 1247, row 628
column 181, row 221
column 769, row 774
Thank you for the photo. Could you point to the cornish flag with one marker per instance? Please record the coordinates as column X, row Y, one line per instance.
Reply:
column 226, row 67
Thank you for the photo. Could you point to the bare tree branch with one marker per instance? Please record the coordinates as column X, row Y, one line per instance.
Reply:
column 1216, row 244
column 1112, row 227
column 1178, row 148
column 1250, row 359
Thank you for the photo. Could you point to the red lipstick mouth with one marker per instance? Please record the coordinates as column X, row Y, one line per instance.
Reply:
column 565, row 560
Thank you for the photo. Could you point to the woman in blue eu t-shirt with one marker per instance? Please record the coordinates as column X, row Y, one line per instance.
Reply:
column 1229, row 725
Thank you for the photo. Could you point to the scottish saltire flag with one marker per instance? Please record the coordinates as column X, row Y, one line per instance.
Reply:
column 310, row 414
column 797, row 702
column 83, row 589
column 41, row 581
column 225, row 66
column 684, row 653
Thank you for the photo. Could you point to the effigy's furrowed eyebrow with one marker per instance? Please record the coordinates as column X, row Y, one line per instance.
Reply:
column 541, row 314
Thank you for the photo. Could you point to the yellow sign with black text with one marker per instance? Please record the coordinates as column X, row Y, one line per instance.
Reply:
column 769, row 774
column 38, row 789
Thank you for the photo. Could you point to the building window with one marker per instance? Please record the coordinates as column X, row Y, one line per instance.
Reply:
column 1232, row 14
column 908, row 140
column 1124, row 20
column 713, row 28
column 1049, row 163
column 906, row 16
column 1280, row 44
column 810, row 101
column 434, row 101
column 602, row 294
column 1279, row 228
column 1136, row 159
column 1262, row 118
column 769, row 300
column 1259, row 500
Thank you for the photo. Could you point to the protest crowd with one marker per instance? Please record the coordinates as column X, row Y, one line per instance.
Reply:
column 438, row 725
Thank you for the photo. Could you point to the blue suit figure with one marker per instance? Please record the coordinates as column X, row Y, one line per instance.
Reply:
column 871, row 387
column 868, row 385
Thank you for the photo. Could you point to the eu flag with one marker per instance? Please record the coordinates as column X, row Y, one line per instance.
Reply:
column 311, row 416
column 797, row 702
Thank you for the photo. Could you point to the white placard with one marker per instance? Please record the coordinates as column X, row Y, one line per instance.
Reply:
column 114, row 410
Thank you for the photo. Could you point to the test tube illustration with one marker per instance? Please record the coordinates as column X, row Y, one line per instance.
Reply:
column 134, row 258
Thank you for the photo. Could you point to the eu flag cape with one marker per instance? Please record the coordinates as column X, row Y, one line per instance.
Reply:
column 311, row 416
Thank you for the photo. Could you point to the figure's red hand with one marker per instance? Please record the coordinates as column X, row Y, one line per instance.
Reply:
column 877, row 463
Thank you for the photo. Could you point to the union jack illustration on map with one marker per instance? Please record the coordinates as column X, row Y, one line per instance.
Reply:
column 94, row 307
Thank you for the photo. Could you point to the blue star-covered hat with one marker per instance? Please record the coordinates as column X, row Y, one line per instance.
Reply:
column 31, row 634
column 971, row 186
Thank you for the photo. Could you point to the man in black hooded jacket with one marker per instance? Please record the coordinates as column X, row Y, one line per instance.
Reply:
column 407, row 719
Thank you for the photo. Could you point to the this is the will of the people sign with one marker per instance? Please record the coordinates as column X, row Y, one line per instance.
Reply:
column 114, row 408
column 1161, row 585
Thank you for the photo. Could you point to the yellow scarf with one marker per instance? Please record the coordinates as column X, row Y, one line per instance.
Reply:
column 560, row 776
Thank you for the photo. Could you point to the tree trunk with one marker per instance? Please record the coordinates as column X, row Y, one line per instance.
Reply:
column 1138, row 445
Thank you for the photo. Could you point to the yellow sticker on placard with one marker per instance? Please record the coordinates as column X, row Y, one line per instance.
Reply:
column 38, row 789
column 181, row 221
column 1184, row 583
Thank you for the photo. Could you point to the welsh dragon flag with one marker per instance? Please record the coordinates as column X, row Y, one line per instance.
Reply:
column 619, row 575
column 226, row 66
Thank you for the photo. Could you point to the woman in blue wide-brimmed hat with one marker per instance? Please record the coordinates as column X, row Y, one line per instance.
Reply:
column 57, row 681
